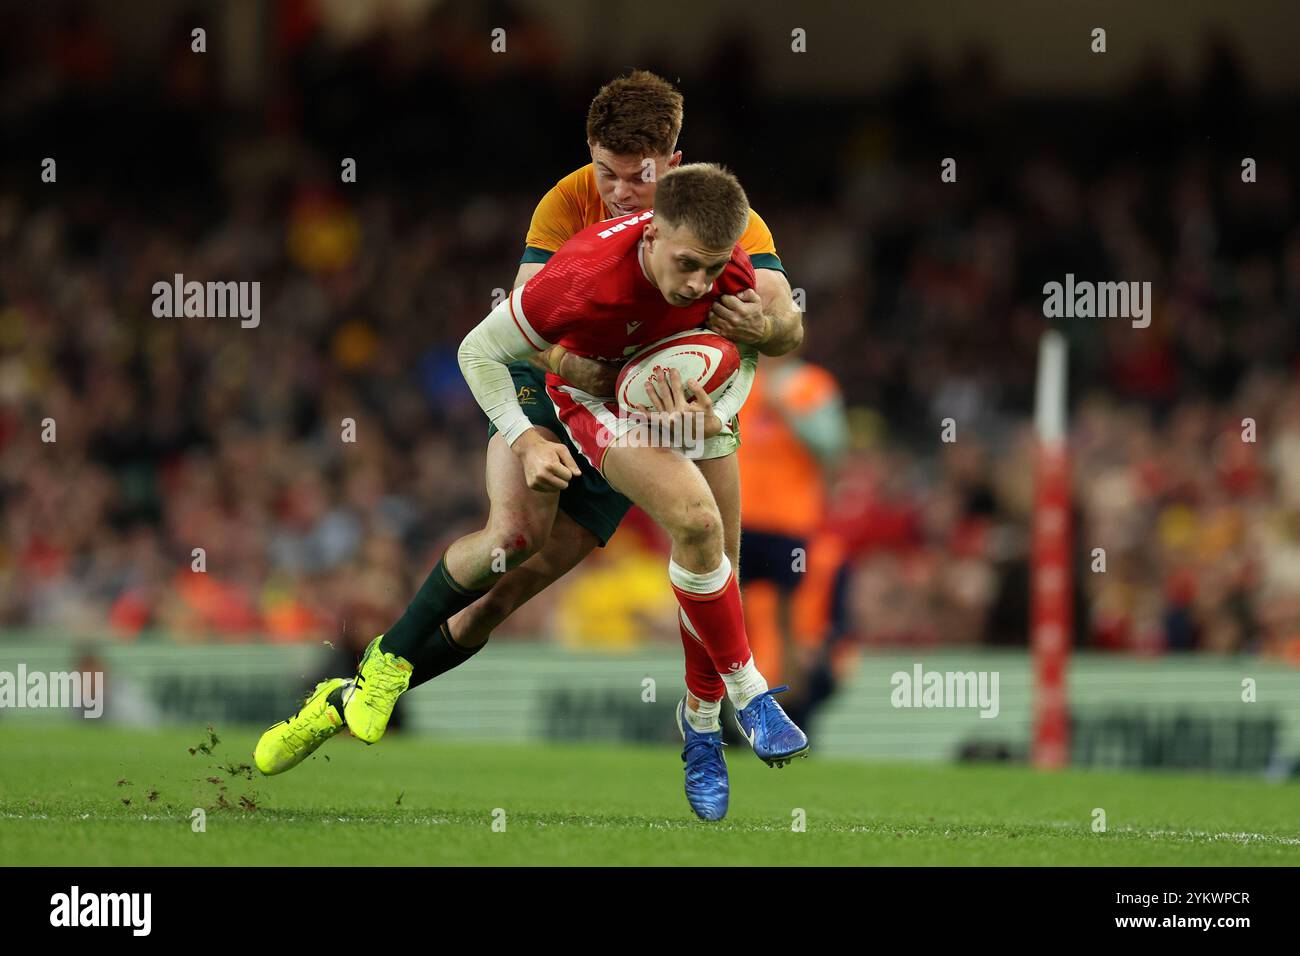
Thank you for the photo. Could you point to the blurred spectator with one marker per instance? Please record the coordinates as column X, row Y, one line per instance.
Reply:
column 793, row 434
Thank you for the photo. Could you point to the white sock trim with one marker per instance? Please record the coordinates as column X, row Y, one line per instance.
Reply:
column 705, row 720
column 689, row 627
column 708, row 582
column 744, row 684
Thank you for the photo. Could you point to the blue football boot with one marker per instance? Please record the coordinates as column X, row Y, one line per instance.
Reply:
column 707, row 788
column 770, row 731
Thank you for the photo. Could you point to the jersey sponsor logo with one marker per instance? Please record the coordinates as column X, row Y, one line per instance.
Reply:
column 606, row 233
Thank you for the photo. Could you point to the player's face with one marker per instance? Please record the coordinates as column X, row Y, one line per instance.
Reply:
column 682, row 267
column 627, row 183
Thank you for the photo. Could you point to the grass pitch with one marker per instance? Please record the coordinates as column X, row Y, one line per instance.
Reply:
column 97, row 796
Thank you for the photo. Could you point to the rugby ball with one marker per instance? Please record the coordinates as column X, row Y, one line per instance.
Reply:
column 697, row 354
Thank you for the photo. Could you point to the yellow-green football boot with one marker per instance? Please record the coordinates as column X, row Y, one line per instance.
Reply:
column 381, row 679
column 292, row 741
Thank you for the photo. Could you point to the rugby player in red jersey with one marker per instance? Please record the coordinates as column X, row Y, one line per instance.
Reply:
column 632, row 129
column 612, row 289
column 609, row 291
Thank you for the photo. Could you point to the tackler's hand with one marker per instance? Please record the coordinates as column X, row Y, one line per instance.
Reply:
column 741, row 318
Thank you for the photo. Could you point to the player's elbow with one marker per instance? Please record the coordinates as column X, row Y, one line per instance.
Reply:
column 469, row 353
column 796, row 331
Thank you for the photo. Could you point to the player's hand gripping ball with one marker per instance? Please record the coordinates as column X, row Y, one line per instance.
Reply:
column 697, row 354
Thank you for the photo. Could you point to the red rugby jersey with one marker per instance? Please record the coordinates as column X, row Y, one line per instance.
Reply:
column 594, row 299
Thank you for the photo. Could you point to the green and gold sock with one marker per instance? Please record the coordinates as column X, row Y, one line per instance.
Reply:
column 438, row 655
column 438, row 599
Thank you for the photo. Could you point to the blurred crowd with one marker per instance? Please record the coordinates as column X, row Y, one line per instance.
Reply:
column 135, row 451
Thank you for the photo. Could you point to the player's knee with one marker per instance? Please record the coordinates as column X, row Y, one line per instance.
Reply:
column 699, row 525
column 517, row 538
column 515, row 547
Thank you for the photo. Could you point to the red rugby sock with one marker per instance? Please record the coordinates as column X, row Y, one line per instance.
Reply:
column 711, row 602
column 701, row 679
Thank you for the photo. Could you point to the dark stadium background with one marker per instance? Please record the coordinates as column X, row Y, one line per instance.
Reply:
column 923, row 298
